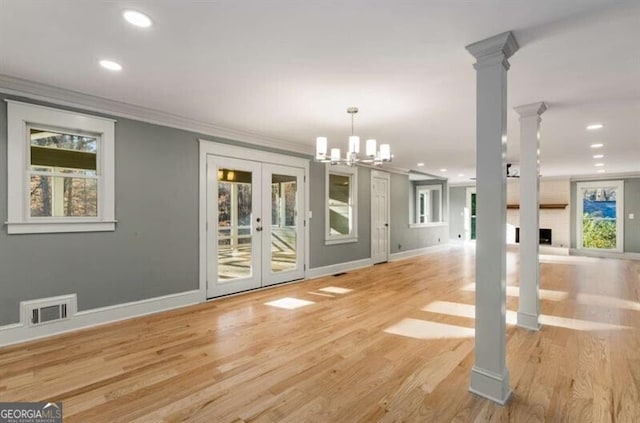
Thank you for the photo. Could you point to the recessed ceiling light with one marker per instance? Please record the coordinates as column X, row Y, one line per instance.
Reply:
column 599, row 164
column 596, row 145
column 601, row 170
column 598, row 156
column 594, row 126
column 136, row 18
column 111, row 65
column 420, row 164
column 460, row 174
column 443, row 170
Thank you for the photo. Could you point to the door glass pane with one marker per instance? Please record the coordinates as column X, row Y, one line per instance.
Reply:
column 599, row 218
column 234, row 224
column 284, row 210
column 473, row 216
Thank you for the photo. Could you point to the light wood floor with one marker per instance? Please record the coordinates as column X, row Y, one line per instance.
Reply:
column 397, row 347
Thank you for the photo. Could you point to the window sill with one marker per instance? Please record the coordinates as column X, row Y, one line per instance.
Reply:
column 427, row 225
column 59, row 227
column 330, row 241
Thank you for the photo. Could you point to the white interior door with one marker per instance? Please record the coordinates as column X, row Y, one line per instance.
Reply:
column 380, row 182
column 283, row 226
column 234, row 210
column 255, row 224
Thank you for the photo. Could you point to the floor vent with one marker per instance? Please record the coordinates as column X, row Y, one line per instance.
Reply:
column 48, row 310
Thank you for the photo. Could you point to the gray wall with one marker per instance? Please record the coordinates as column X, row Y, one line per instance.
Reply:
column 631, row 205
column 154, row 249
column 325, row 255
column 403, row 237
column 457, row 203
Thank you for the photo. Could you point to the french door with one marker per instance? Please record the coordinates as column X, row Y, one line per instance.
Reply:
column 255, row 233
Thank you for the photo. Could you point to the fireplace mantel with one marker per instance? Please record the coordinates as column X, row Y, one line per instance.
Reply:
column 557, row 206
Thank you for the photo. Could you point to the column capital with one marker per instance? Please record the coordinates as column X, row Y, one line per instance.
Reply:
column 502, row 44
column 533, row 109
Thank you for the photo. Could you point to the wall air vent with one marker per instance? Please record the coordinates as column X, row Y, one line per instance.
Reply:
column 48, row 310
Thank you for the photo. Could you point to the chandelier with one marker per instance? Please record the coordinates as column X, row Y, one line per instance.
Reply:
column 372, row 154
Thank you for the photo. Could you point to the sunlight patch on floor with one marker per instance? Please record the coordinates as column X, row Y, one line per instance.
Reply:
column 335, row 290
column 514, row 291
column 289, row 303
column 606, row 301
column 468, row 310
column 422, row 329
column 549, row 258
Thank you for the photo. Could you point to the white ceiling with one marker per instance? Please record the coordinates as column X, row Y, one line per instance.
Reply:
column 289, row 69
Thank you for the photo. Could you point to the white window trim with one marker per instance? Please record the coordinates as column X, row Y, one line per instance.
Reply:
column 19, row 115
column 416, row 209
column 619, row 186
column 352, row 173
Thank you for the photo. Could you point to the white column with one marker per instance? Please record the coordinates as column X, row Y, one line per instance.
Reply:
column 529, row 307
column 490, row 376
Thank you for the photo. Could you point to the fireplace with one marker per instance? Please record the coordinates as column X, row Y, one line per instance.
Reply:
column 545, row 236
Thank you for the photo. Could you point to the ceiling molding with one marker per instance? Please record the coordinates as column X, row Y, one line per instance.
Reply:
column 605, row 176
column 63, row 97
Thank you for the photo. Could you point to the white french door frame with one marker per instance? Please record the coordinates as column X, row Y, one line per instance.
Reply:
column 379, row 258
column 268, row 276
column 210, row 148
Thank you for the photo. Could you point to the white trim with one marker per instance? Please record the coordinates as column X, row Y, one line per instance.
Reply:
column 58, row 227
column 318, row 272
column 16, row 333
column 417, row 252
column 352, row 173
column 416, row 195
column 619, row 187
column 19, row 117
column 42, row 92
column 207, row 148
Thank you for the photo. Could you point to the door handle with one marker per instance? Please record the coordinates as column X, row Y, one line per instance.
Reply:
column 259, row 228
column 386, row 225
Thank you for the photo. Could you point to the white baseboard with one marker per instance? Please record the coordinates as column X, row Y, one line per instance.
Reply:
column 419, row 251
column 604, row 254
column 318, row 272
column 18, row 332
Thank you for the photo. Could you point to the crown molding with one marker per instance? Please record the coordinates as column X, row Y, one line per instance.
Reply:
column 605, row 176
column 63, row 97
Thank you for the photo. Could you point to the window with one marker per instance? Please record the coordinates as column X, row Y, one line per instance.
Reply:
column 426, row 205
column 600, row 215
column 60, row 170
column 341, row 193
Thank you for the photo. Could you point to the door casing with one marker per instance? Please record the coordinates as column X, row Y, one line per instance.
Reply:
column 207, row 148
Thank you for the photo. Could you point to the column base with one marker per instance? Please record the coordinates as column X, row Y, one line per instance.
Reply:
column 528, row 321
column 490, row 385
